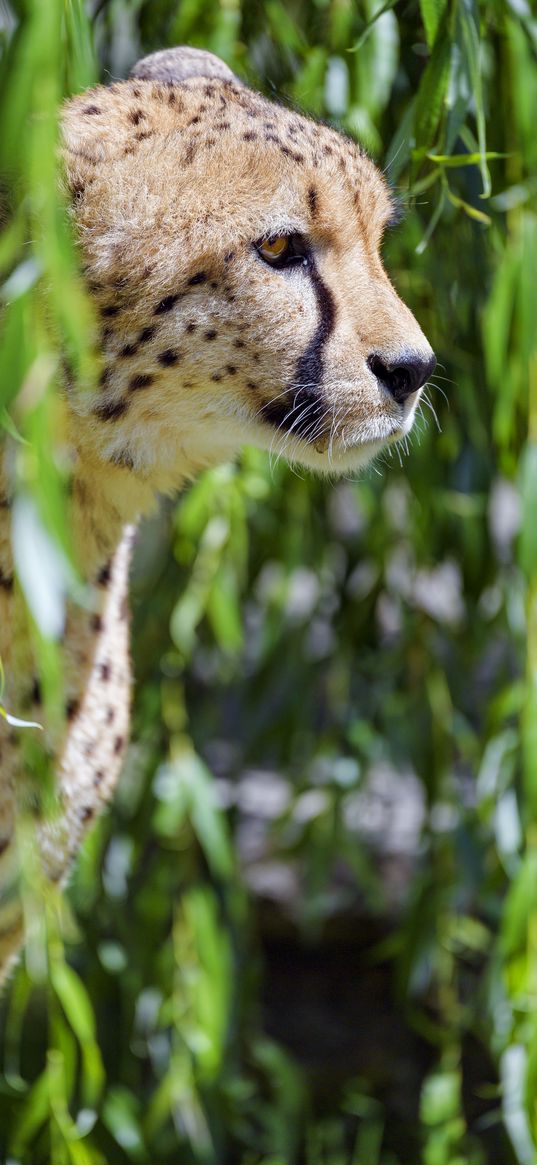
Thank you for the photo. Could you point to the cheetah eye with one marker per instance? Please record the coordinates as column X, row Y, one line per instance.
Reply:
column 283, row 250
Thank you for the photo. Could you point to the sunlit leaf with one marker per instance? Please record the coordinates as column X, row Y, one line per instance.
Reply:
column 468, row 13
column 456, row 160
column 432, row 12
column 471, row 211
column 433, row 89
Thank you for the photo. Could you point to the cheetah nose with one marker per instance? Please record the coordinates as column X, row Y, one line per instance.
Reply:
column 404, row 376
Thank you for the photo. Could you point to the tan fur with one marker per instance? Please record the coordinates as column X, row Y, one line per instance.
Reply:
column 175, row 175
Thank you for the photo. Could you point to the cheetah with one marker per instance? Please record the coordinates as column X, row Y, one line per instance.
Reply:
column 231, row 247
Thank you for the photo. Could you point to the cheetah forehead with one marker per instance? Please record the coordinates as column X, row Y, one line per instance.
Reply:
column 167, row 135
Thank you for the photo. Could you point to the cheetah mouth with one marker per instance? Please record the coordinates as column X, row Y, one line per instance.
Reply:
column 333, row 451
column 302, row 418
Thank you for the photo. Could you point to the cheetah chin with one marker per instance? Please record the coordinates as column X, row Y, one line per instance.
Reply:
column 231, row 248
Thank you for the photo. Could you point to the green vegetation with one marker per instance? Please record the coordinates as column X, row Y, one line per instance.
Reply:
column 359, row 1003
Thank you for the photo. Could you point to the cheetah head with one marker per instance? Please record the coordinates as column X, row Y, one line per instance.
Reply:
column 233, row 251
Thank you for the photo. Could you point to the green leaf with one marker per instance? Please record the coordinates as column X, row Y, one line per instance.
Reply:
column 468, row 13
column 121, row 1116
column 77, row 1006
column 463, row 159
column 433, row 89
column 518, row 909
column 206, row 817
column 32, row 1115
column 528, row 493
column 224, row 612
column 432, row 12
column 387, row 7
column 471, row 211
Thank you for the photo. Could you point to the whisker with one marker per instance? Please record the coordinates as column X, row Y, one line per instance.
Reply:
column 425, row 400
column 447, row 379
column 431, row 384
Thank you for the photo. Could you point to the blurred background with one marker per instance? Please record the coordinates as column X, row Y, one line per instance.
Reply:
column 306, row 931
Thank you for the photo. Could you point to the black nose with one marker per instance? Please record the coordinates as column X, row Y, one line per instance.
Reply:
column 402, row 377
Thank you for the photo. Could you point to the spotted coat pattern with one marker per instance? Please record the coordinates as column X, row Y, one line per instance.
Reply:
column 176, row 176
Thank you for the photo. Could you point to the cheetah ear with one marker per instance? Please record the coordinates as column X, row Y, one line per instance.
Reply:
column 176, row 65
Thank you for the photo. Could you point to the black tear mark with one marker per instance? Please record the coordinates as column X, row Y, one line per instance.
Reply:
column 312, row 201
column 301, row 411
column 310, row 367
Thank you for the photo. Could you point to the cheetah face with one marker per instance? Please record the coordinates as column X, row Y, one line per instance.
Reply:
column 232, row 247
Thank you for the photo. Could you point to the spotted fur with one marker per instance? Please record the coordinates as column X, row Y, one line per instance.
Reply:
column 175, row 175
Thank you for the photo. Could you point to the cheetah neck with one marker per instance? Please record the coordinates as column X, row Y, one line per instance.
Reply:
column 105, row 498
column 103, row 505
column 108, row 496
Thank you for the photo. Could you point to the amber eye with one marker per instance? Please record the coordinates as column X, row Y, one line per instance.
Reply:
column 275, row 249
column 283, row 250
